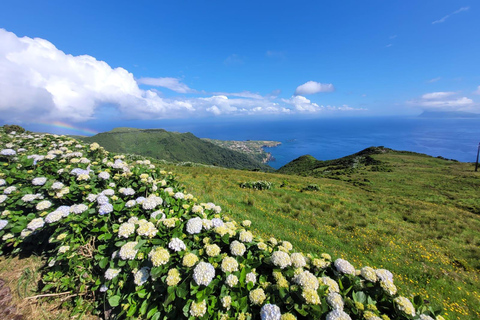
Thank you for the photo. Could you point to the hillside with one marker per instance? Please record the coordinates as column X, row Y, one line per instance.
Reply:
column 173, row 146
column 421, row 217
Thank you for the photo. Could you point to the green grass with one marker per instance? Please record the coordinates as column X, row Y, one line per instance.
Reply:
column 420, row 219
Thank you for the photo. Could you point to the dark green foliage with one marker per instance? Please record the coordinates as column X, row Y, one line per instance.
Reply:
column 311, row 187
column 257, row 185
column 13, row 128
column 173, row 147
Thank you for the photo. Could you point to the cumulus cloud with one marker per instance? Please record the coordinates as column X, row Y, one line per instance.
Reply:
column 444, row 101
column 173, row 84
column 312, row 87
column 39, row 81
column 442, row 20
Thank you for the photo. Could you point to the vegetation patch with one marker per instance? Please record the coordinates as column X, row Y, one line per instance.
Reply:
column 124, row 240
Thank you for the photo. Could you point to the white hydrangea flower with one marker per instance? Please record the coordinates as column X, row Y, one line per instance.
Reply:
column 102, row 199
column 237, row 248
column 130, row 203
column 147, row 230
column 368, row 274
column 108, row 192
column 2, row 182
column 232, row 280
column 141, row 276
column 176, row 245
column 217, row 222
column 78, row 208
column 281, row 259
column 104, row 175
column 270, row 312
column 332, row 284
column 105, row 209
column 3, row 224
column 179, row 195
column 298, row 260
column 40, row 181
column 194, row 225
column 112, row 273
column 207, row 224
column 63, row 249
column 229, row 264
column 203, row 273
column 127, row 191
column 306, row 280
column 92, row 197
column 35, row 224
column 57, row 185
column 343, row 266
column 29, row 197
column 384, row 274
column 338, row 315
column 155, row 214
column 3, row 198
column 54, row 216
column 251, row 277
column 403, row 304
column 126, row 230
column 246, row 236
column 128, row 251
column 8, row 152
column 149, row 204
column 335, row 300
column 10, row 190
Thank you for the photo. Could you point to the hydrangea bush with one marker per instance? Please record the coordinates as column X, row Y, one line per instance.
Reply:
column 126, row 238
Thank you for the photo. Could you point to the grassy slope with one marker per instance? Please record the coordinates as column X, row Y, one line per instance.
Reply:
column 172, row 146
column 420, row 219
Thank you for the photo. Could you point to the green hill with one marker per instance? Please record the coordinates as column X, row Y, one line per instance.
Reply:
column 173, row 146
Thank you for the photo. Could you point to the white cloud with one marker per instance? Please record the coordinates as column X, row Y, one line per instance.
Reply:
column 437, row 95
column 444, row 101
column 312, row 87
column 434, row 80
column 39, row 82
column 477, row 91
column 451, row 14
column 173, row 84
column 389, row 45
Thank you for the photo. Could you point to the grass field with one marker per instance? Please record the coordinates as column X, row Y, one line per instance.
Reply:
column 420, row 219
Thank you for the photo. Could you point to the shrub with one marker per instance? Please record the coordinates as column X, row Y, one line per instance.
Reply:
column 257, row 185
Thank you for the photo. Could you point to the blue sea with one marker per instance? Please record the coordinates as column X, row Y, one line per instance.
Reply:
column 337, row 137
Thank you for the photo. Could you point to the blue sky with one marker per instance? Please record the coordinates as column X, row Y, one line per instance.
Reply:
column 74, row 63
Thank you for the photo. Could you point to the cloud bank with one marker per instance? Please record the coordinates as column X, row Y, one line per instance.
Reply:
column 312, row 87
column 39, row 82
column 444, row 101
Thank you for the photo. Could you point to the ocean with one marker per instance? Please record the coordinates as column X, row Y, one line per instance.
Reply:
column 332, row 138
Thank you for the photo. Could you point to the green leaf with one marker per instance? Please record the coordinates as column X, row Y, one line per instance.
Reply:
column 142, row 293
column 103, row 263
column 143, row 307
column 114, row 301
column 151, row 312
